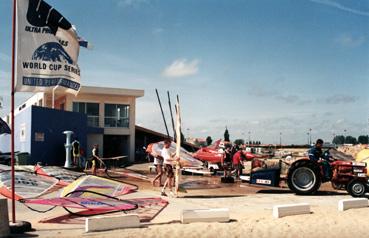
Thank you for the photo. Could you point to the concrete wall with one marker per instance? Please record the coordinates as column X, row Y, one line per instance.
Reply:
column 108, row 99
column 47, row 136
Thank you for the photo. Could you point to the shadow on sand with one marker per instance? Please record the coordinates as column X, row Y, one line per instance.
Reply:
column 318, row 193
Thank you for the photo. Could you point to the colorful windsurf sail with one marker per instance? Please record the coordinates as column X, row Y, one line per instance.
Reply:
column 147, row 209
column 186, row 158
column 85, row 206
column 99, row 185
column 126, row 173
column 27, row 185
column 64, row 176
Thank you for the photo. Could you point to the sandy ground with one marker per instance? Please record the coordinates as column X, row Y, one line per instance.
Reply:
column 250, row 213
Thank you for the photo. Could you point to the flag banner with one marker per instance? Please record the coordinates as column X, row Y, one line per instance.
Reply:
column 4, row 128
column 47, row 49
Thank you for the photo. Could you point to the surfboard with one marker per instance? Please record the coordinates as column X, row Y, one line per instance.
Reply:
column 245, row 178
column 197, row 171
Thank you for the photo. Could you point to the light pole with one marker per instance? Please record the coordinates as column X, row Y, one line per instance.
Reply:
column 308, row 136
column 249, row 138
column 280, row 139
column 344, row 133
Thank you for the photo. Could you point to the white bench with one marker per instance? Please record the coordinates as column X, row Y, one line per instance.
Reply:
column 345, row 204
column 103, row 223
column 205, row 215
column 291, row 209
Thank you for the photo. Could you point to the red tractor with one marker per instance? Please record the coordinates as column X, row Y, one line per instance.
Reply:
column 305, row 177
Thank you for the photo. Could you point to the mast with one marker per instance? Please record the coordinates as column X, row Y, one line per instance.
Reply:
column 162, row 113
column 12, row 111
column 171, row 116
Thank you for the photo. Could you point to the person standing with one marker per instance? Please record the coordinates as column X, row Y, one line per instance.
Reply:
column 95, row 158
column 76, row 151
column 227, row 161
column 237, row 159
column 82, row 158
column 168, row 167
column 158, row 163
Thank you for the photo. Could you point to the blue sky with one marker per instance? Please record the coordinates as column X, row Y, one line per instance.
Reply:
column 264, row 66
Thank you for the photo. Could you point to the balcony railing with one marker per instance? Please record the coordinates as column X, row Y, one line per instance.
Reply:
column 93, row 121
column 114, row 122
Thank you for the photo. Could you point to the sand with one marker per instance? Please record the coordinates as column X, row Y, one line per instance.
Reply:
column 251, row 216
column 250, row 213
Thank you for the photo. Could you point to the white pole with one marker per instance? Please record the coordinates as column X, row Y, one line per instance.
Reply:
column 68, row 148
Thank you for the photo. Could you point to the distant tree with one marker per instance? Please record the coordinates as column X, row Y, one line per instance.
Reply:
column 339, row 140
column 226, row 135
column 350, row 140
column 363, row 139
column 209, row 140
column 239, row 142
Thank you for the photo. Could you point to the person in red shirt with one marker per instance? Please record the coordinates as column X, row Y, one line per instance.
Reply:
column 237, row 159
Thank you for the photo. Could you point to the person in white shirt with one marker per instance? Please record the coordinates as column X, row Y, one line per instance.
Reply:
column 168, row 167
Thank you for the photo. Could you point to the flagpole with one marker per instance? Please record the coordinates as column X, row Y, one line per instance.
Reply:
column 12, row 111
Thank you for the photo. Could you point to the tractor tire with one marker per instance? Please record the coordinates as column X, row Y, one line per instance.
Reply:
column 356, row 188
column 304, row 178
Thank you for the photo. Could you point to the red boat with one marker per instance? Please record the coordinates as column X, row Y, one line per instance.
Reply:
column 214, row 153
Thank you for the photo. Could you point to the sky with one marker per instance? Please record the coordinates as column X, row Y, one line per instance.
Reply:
column 264, row 69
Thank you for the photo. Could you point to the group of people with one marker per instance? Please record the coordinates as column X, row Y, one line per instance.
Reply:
column 232, row 159
column 164, row 163
column 79, row 159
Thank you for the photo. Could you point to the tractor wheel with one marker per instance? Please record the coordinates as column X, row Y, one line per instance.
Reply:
column 304, row 178
column 356, row 188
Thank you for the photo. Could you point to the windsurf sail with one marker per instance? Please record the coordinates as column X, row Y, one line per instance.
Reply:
column 64, row 176
column 27, row 185
column 186, row 158
column 147, row 209
column 90, row 205
column 126, row 173
column 99, row 185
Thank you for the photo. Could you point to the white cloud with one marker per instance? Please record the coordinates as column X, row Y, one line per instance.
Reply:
column 181, row 68
column 350, row 41
column 339, row 6
column 131, row 3
column 340, row 99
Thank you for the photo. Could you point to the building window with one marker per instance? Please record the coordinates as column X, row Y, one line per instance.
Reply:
column 116, row 115
column 90, row 109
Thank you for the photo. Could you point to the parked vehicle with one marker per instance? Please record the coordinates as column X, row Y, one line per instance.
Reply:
column 305, row 177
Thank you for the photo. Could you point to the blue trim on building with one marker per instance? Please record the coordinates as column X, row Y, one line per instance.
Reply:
column 47, row 138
